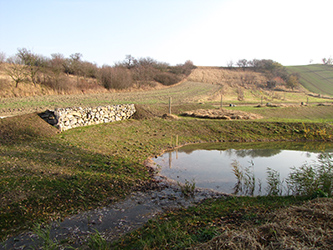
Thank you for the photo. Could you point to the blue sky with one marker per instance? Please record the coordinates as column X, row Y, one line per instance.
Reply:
column 208, row 32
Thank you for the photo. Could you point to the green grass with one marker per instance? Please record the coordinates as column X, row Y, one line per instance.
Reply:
column 291, row 114
column 46, row 175
column 187, row 92
column 317, row 78
column 184, row 228
column 46, row 178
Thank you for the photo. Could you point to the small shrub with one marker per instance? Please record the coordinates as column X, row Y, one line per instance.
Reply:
column 166, row 78
column 188, row 188
column 60, row 84
column 274, row 183
column 313, row 180
column 116, row 77
column 246, row 181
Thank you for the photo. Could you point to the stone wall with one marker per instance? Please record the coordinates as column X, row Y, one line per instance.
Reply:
column 67, row 118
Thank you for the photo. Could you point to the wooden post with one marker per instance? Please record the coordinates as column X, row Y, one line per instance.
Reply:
column 170, row 105
column 176, row 140
column 221, row 101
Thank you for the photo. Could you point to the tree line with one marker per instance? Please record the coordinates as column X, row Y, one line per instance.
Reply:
column 51, row 71
column 273, row 71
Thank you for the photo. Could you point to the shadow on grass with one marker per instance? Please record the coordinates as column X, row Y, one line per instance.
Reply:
column 45, row 179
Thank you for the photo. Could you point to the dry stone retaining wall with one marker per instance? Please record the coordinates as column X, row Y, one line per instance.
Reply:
column 67, row 118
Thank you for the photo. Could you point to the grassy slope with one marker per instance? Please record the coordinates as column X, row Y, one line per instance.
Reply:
column 66, row 167
column 47, row 177
column 317, row 78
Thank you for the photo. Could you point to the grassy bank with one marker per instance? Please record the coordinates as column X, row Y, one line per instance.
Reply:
column 46, row 175
column 196, row 225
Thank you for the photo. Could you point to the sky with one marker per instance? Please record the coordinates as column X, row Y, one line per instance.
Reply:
column 207, row 32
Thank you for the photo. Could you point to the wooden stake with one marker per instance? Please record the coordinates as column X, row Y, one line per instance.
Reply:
column 221, row 101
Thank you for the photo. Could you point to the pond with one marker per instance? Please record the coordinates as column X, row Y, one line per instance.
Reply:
column 210, row 165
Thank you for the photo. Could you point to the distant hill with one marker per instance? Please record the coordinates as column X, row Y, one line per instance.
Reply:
column 317, row 78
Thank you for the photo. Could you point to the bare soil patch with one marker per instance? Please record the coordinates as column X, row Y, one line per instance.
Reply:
column 222, row 114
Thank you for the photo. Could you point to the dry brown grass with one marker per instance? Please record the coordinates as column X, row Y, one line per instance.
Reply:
column 223, row 114
column 49, row 84
column 223, row 76
column 298, row 227
column 234, row 82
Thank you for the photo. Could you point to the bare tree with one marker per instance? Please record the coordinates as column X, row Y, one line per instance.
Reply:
column 16, row 69
column 2, row 57
column 33, row 62
column 57, row 63
column 328, row 61
column 242, row 63
column 129, row 62
column 230, row 64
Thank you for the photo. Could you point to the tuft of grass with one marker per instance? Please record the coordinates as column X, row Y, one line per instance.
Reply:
column 97, row 242
column 44, row 238
column 187, row 188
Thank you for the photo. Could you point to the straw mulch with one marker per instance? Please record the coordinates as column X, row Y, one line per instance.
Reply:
column 309, row 226
column 222, row 114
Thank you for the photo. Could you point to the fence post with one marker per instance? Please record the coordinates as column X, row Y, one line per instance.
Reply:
column 221, row 101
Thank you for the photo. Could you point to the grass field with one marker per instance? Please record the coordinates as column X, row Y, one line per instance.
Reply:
column 186, row 93
column 46, row 175
column 317, row 78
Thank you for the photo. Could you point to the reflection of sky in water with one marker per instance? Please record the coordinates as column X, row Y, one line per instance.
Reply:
column 212, row 168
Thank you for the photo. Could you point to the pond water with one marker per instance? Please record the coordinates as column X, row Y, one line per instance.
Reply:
column 210, row 165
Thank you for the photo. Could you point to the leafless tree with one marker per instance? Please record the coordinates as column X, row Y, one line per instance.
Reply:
column 328, row 61
column 16, row 69
column 2, row 57
column 242, row 63
column 230, row 64
column 32, row 61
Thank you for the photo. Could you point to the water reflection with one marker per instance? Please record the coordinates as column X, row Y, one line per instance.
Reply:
column 211, row 167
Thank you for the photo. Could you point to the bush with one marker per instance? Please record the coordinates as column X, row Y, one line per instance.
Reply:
column 59, row 84
column 313, row 179
column 116, row 77
column 166, row 78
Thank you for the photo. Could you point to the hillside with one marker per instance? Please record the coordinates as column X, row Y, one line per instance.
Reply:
column 317, row 78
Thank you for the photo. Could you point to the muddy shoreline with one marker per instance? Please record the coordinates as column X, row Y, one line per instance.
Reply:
column 118, row 218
